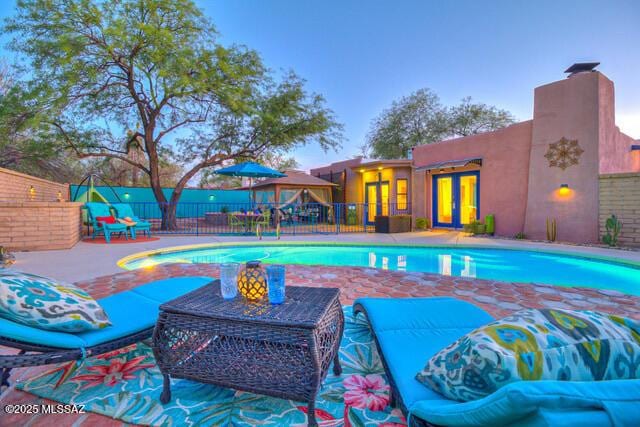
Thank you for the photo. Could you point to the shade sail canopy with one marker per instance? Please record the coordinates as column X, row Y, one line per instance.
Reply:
column 452, row 164
column 296, row 179
column 251, row 170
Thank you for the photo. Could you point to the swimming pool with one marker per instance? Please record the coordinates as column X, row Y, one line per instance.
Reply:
column 510, row 265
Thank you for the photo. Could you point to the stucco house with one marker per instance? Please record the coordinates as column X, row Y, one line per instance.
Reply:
column 567, row 163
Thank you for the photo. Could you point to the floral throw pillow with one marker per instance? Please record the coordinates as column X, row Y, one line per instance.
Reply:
column 47, row 304
column 532, row 344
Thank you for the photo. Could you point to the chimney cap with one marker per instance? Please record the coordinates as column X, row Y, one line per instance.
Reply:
column 580, row 67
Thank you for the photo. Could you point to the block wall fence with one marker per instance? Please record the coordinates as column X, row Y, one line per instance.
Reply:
column 34, row 219
column 620, row 196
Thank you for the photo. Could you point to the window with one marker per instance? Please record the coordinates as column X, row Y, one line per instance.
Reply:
column 402, row 186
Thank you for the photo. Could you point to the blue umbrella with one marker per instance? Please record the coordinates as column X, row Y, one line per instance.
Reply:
column 250, row 170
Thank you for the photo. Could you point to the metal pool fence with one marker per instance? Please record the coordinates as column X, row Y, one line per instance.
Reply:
column 247, row 218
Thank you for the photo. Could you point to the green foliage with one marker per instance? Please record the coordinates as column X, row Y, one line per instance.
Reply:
column 224, row 209
column 520, row 236
column 422, row 223
column 551, row 229
column 613, row 227
column 475, row 227
column 420, row 119
column 106, row 76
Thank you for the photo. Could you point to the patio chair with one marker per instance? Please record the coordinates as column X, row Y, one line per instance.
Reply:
column 123, row 210
column 408, row 331
column 133, row 315
column 97, row 214
column 264, row 220
column 235, row 222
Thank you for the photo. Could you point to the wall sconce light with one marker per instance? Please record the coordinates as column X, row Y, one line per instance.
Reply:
column 379, row 168
column 59, row 196
column 564, row 189
column 127, row 195
column 361, row 170
column 441, row 170
column 32, row 192
column 211, row 197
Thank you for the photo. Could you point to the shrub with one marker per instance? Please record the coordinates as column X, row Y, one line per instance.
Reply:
column 224, row 209
column 520, row 236
column 422, row 223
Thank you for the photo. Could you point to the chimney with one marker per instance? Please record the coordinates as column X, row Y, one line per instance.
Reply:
column 581, row 67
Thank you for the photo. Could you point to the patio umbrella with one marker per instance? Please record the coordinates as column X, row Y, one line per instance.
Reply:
column 250, row 170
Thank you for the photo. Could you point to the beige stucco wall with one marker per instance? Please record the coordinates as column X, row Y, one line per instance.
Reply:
column 620, row 196
column 15, row 186
column 39, row 225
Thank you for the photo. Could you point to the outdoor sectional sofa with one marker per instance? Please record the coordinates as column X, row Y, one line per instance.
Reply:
column 133, row 315
column 408, row 331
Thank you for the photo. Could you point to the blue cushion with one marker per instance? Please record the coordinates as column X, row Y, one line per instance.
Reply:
column 411, row 330
column 165, row 290
column 24, row 333
column 98, row 209
column 615, row 402
column 129, row 313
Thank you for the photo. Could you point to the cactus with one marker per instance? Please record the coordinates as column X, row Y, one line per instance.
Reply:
column 490, row 224
column 551, row 229
column 613, row 227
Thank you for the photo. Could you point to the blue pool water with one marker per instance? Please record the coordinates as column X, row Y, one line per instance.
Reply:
column 497, row 264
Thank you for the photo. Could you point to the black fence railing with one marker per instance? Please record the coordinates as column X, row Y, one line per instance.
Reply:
column 246, row 218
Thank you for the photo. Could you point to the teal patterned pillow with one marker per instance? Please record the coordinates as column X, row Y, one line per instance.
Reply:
column 536, row 345
column 46, row 304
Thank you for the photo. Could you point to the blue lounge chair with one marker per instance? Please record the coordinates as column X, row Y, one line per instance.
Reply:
column 98, row 210
column 409, row 331
column 133, row 315
column 123, row 210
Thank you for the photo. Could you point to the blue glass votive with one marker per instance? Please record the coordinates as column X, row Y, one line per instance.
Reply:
column 276, row 283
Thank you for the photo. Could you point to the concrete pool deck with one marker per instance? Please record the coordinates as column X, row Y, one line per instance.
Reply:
column 87, row 260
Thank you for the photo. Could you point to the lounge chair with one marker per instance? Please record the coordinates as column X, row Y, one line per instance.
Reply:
column 409, row 331
column 123, row 210
column 133, row 315
column 97, row 210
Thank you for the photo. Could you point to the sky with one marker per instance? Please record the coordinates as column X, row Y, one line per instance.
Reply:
column 363, row 54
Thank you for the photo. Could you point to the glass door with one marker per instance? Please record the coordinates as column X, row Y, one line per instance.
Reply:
column 456, row 199
column 376, row 200
column 443, row 200
column 371, row 201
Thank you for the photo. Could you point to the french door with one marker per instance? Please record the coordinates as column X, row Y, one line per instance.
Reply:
column 456, row 199
column 376, row 200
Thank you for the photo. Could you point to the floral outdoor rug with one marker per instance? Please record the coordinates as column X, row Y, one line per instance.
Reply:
column 126, row 384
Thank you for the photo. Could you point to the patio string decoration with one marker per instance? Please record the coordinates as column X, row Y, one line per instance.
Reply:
column 252, row 283
column 564, row 153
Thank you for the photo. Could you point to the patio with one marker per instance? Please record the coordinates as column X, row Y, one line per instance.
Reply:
column 498, row 298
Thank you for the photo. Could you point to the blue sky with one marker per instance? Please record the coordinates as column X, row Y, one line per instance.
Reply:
column 361, row 55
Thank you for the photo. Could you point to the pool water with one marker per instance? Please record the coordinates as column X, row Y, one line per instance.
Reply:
column 495, row 264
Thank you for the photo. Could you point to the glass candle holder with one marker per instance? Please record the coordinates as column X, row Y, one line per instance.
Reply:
column 229, row 279
column 276, row 283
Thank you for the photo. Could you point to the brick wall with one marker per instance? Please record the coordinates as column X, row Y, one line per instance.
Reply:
column 15, row 186
column 620, row 195
column 33, row 226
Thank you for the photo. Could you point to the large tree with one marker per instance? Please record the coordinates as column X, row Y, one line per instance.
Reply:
column 420, row 118
column 112, row 75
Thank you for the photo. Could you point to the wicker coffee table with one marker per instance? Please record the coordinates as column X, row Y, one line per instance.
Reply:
column 278, row 350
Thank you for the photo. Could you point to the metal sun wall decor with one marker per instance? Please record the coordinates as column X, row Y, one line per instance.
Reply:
column 564, row 153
